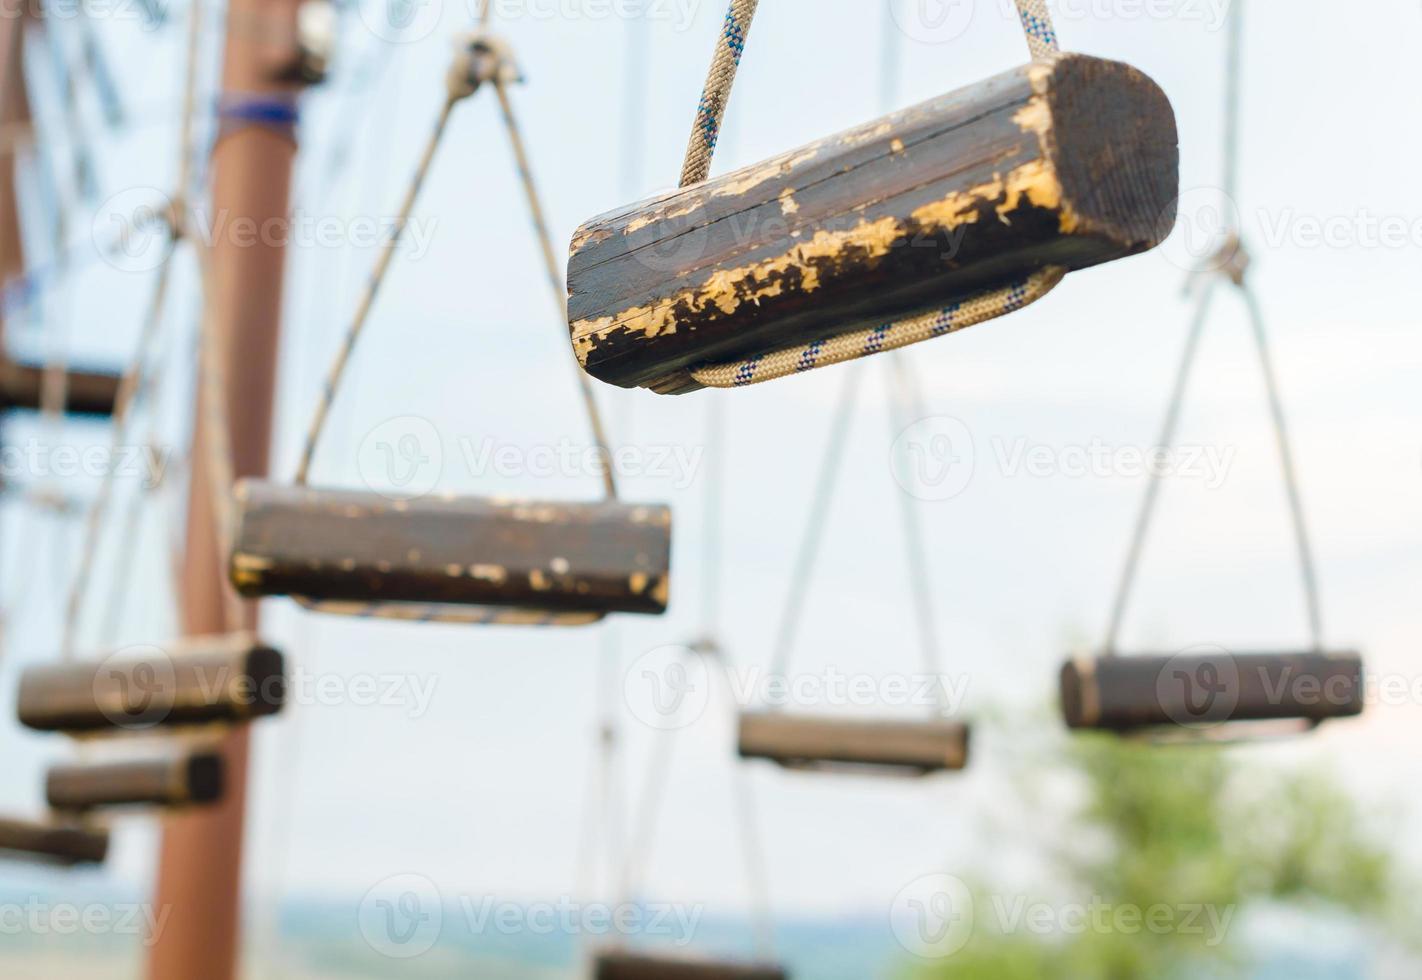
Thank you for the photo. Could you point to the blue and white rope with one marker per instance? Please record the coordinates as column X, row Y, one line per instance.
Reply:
column 885, row 337
column 1041, row 41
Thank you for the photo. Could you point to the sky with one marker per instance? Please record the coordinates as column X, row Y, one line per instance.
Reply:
column 477, row 775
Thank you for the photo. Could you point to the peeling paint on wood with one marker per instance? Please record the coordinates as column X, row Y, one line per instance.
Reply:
column 1067, row 163
column 334, row 546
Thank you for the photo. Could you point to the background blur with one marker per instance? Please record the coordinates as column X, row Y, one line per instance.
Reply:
column 471, row 774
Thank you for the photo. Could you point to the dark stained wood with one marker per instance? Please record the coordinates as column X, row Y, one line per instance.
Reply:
column 1168, row 691
column 345, row 546
column 53, row 842
column 619, row 965
column 89, row 392
column 199, row 681
column 178, row 777
column 798, row 742
column 1070, row 163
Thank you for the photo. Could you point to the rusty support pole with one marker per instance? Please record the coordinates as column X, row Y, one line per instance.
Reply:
column 199, row 879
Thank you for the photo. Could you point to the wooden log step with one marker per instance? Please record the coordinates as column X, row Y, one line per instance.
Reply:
column 837, row 744
column 621, row 965
column 200, row 681
column 1126, row 693
column 53, row 842
column 1067, row 163
column 170, row 779
column 88, row 393
column 347, row 546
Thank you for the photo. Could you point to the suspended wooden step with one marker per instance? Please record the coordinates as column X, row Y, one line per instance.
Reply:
column 346, row 546
column 201, row 681
column 173, row 778
column 1064, row 164
column 88, row 392
column 619, row 965
column 53, row 842
column 836, row 744
column 1163, row 691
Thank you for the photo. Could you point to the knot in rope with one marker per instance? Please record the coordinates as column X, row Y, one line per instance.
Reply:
column 481, row 58
column 315, row 40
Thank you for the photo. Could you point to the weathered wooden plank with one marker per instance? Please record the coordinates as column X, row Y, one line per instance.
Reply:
column 1069, row 163
column 798, row 742
column 1169, row 691
column 199, row 681
column 53, row 841
column 622, row 965
column 176, row 777
column 88, row 393
column 345, row 546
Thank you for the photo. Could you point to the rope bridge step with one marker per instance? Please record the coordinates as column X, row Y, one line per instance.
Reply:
column 621, row 965
column 200, row 681
column 170, row 778
column 1127, row 694
column 57, row 841
column 952, row 212
column 850, row 745
column 526, row 559
column 94, row 393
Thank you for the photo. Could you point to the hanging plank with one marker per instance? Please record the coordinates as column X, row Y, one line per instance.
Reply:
column 621, row 965
column 53, row 842
column 797, row 742
column 87, row 393
column 1066, row 163
column 1168, row 691
column 346, row 546
column 201, row 681
column 178, row 777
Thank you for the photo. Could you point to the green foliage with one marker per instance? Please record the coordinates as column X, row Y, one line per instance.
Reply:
column 1174, row 826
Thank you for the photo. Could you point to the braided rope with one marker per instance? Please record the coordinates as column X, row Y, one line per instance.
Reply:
column 482, row 59
column 711, row 110
column 710, row 113
column 887, row 337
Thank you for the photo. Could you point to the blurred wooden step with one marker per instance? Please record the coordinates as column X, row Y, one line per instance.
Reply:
column 53, row 842
column 346, row 546
column 1127, row 693
column 835, row 744
column 203, row 680
column 171, row 779
column 91, row 393
column 617, row 965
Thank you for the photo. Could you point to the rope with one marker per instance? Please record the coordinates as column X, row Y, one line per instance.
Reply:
column 826, row 481
column 711, row 110
column 889, row 336
column 133, row 379
column 1231, row 265
column 482, row 59
column 710, row 113
column 905, row 408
